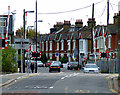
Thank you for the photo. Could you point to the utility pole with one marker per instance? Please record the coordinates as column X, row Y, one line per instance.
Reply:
column 107, row 33
column 92, row 28
column 24, row 38
column 36, row 39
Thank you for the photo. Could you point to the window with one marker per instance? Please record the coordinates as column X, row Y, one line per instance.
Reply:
column 101, row 42
column 57, row 45
column 46, row 45
column 68, row 44
column 2, row 23
column 81, row 45
column 50, row 56
column 62, row 44
column 74, row 44
column 109, row 41
column 97, row 43
column 50, row 45
column 42, row 46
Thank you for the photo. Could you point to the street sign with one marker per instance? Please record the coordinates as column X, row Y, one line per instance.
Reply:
column 75, row 52
column 56, row 54
column 21, row 43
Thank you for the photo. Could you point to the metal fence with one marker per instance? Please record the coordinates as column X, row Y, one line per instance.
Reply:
column 113, row 65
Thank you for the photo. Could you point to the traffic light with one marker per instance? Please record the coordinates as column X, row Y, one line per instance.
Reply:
column 2, row 42
column 35, row 54
column 103, row 54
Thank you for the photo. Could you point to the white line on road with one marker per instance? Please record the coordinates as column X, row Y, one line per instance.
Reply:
column 51, row 87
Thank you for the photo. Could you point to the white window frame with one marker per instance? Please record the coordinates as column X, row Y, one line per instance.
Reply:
column 46, row 45
column 68, row 41
column 57, row 45
column 50, row 45
column 74, row 43
column 62, row 44
column 102, row 42
column 98, row 42
column 109, row 41
column 80, row 44
column 50, row 56
column 42, row 46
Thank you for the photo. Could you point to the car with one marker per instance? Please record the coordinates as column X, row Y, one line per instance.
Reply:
column 91, row 68
column 57, row 62
column 54, row 67
column 73, row 65
column 48, row 63
column 40, row 64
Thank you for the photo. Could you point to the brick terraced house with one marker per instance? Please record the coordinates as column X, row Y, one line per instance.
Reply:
column 64, row 38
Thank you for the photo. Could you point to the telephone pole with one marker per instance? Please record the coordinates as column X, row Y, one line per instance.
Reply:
column 92, row 28
column 36, row 38
column 107, row 33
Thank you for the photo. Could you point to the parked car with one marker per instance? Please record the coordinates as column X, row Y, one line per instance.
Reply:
column 48, row 63
column 54, row 67
column 91, row 68
column 73, row 65
column 57, row 62
column 40, row 64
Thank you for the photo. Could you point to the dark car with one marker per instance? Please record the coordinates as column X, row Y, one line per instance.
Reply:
column 73, row 65
column 54, row 67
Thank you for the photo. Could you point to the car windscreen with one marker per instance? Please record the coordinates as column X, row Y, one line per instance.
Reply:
column 54, row 65
column 91, row 66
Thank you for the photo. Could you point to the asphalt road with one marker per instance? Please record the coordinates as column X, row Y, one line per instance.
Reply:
column 67, row 81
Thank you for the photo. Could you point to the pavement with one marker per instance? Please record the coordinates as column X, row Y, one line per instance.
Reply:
column 9, row 78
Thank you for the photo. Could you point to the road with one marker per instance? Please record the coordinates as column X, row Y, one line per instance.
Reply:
column 67, row 81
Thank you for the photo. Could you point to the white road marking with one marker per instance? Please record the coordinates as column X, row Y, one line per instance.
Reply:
column 51, row 87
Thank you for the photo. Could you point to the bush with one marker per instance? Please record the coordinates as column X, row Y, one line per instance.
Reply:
column 64, row 60
column 8, row 60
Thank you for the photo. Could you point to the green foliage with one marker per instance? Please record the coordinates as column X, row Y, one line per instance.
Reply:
column 64, row 60
column 8, row 60
column 43, row 58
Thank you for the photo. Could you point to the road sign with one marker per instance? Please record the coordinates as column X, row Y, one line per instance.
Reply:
column 24, row 43
column 56, row 54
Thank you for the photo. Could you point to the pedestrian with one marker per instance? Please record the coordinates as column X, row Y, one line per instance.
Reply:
column 32, row 67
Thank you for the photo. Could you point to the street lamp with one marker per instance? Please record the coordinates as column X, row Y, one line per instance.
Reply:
column 25, row 29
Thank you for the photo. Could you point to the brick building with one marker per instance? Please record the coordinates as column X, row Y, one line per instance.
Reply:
column 64, row 38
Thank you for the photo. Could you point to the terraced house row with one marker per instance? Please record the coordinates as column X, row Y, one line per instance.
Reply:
column 64, row 38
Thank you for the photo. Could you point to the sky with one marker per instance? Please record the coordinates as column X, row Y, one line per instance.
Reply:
column 55, row 6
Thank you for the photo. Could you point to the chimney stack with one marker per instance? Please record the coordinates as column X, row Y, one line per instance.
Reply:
column 79, row 23
column 90, row 22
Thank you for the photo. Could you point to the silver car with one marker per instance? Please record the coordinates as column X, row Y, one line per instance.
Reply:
column 91, row 68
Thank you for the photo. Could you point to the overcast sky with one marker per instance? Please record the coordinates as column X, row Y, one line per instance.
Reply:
column 51, row 6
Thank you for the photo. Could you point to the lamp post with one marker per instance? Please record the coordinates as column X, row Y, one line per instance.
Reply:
column 25, row 29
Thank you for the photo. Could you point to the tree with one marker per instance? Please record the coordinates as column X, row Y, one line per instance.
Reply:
column 8, row 60
column 64, row 60
column 43, row 58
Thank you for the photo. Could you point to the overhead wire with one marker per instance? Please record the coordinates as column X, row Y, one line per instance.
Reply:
column 72, row 10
